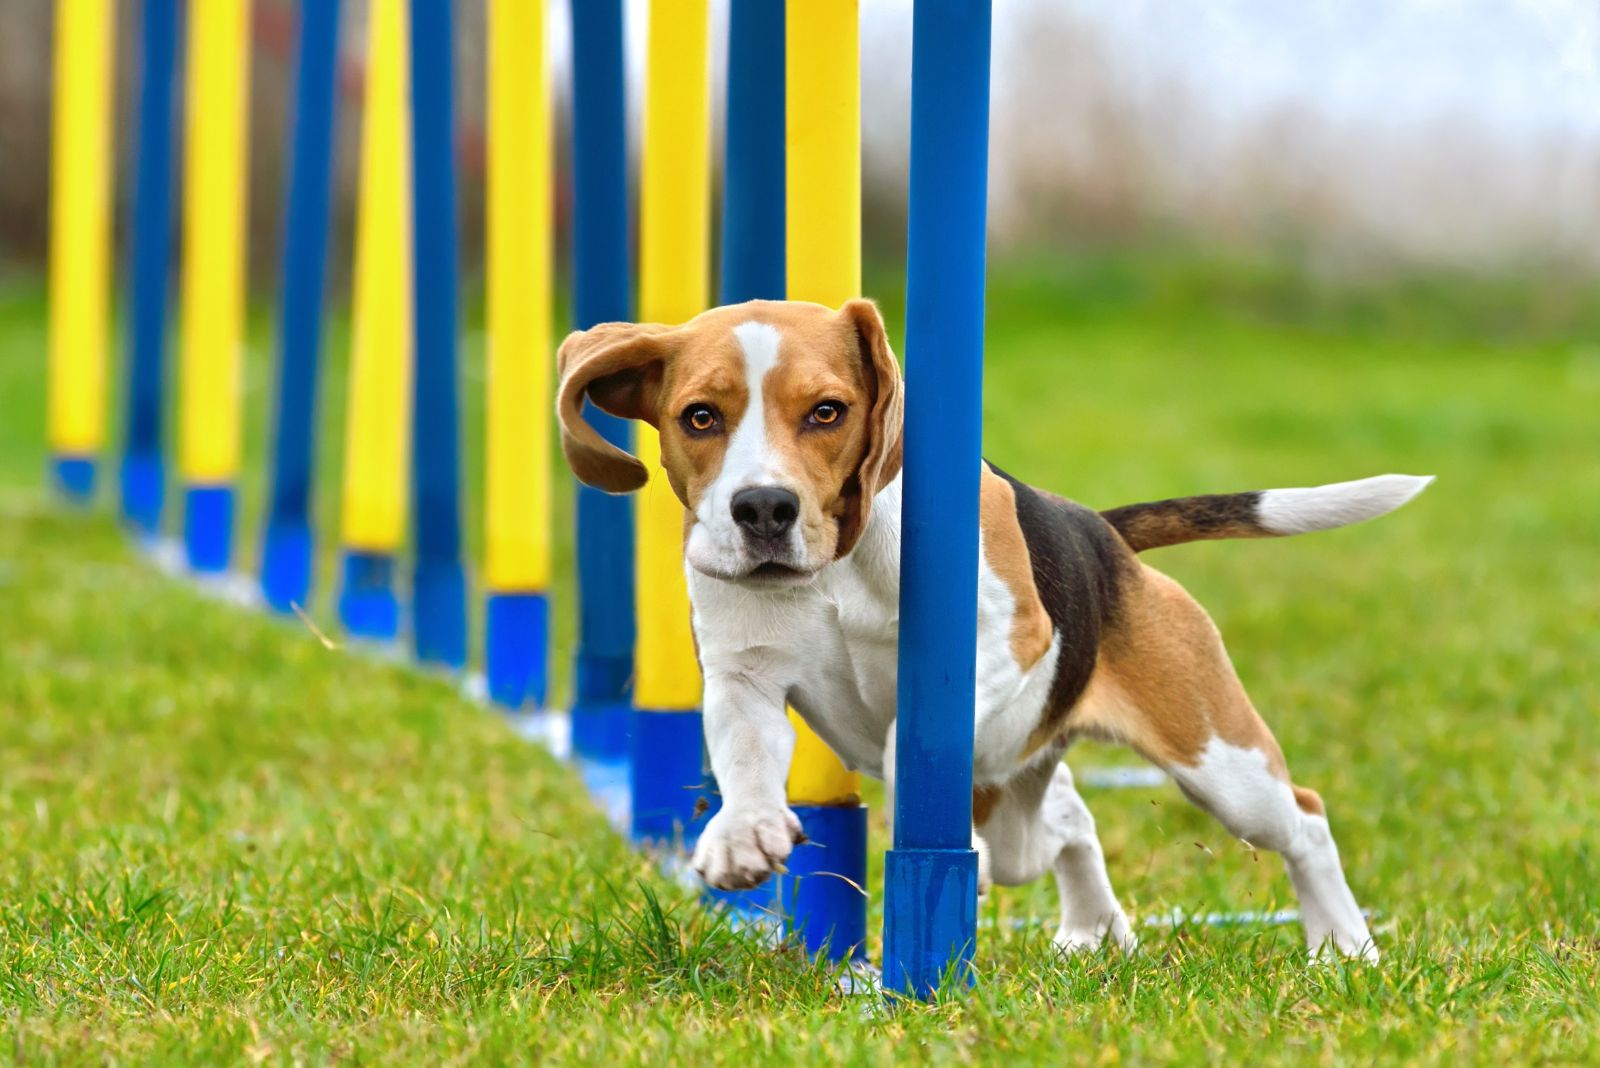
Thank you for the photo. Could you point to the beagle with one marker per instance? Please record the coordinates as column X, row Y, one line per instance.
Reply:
column 780, row 432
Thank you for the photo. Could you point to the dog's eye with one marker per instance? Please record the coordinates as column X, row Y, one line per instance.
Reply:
column 699, row 419
column 826, row 414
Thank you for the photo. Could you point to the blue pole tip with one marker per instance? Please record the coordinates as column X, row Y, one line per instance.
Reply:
column 286, row 566
column 143, row 488
column 600, row 730
column 208, row 528
column 930, row 912
column 368, row 608
column 823, row 895
column 439, row 613
column 74, row 477
column 670, row 784
column 516, row 657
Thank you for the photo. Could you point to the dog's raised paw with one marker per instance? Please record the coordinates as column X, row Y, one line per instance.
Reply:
column 740, row 849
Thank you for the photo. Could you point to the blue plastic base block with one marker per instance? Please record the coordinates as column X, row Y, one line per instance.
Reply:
column 516, row 648
column 143, row 486
column 600, row 731
column 669, row 779
column 602, row 707
column 439, row 613
column 823, row 896
column 286, row 567
column 73, row 477
column 930, row 913
column 368, row 607
column 208, row 528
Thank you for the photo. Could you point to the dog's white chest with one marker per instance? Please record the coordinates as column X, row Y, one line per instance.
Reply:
column 832, row 646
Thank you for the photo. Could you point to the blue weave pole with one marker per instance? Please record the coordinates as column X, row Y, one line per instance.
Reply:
column 286, row 550
column 754, row 250
column 602, row 291
column 142, row 476
column 754, row 205
column 931, row 874
column 439, row 587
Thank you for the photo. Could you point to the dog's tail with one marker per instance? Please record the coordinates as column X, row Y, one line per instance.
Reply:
column 1262, row 513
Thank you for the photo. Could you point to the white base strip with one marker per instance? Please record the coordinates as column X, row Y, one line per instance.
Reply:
column 1129, row 778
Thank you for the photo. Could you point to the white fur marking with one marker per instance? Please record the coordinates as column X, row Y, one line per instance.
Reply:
column 715, row 541
column 1237, row 786
column 1299, row 511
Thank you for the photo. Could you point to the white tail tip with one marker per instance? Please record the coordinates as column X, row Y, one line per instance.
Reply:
column 1300, row 511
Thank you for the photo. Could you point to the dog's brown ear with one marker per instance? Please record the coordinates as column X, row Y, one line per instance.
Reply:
column 619, row 366
column 880, row 463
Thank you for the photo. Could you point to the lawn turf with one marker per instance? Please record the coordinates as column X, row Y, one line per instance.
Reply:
column 225, row 842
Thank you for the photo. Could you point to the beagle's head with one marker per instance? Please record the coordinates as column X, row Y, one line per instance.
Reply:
column 779, row 423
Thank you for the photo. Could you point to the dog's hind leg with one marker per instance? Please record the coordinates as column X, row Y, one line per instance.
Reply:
column 1038, row 823
column 1166, row 686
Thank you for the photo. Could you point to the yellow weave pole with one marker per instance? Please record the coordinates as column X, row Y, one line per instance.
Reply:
column 823, row 163
column 674, row 285
column 377, row 444
column 215, row 197
column 519, row 398
column 80, row 239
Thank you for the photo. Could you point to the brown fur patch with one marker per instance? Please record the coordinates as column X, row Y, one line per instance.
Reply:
column 984, row 800
column 1309, row 800
column 1006, row 552
column 1165, row 685
column 1172, row 522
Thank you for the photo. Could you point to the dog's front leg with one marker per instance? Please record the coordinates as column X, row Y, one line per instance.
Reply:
column 751, row 742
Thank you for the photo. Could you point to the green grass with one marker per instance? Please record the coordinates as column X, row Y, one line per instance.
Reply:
column 223, row 842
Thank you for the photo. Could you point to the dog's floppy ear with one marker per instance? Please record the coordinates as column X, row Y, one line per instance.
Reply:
column 880, row 463
column 619, row 366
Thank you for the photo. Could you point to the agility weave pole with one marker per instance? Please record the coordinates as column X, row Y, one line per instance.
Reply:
column 287, row 543
column 931, row 873
column 80, row 242
column 377, row 429
column 821, row 896
column 602, row 273
column 143, row 471
column 518, row 394
column 668, row 766
column 438, row 579
column 210, row 380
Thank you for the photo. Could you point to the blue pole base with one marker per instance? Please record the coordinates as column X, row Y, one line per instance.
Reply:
column 517, row 640
column 439, row 613
column 600, row 731
column 827, row 913
column 368, row 608
column 602, row 708
column 208, row 528
column 930, row 918
column 143, row 487
column 286, row 566
column 668, row 776
column 73, row 477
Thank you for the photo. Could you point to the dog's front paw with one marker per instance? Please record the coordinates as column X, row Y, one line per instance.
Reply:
column 738, row 850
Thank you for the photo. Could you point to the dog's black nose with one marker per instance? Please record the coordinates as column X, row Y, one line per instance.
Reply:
column 765, row 512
